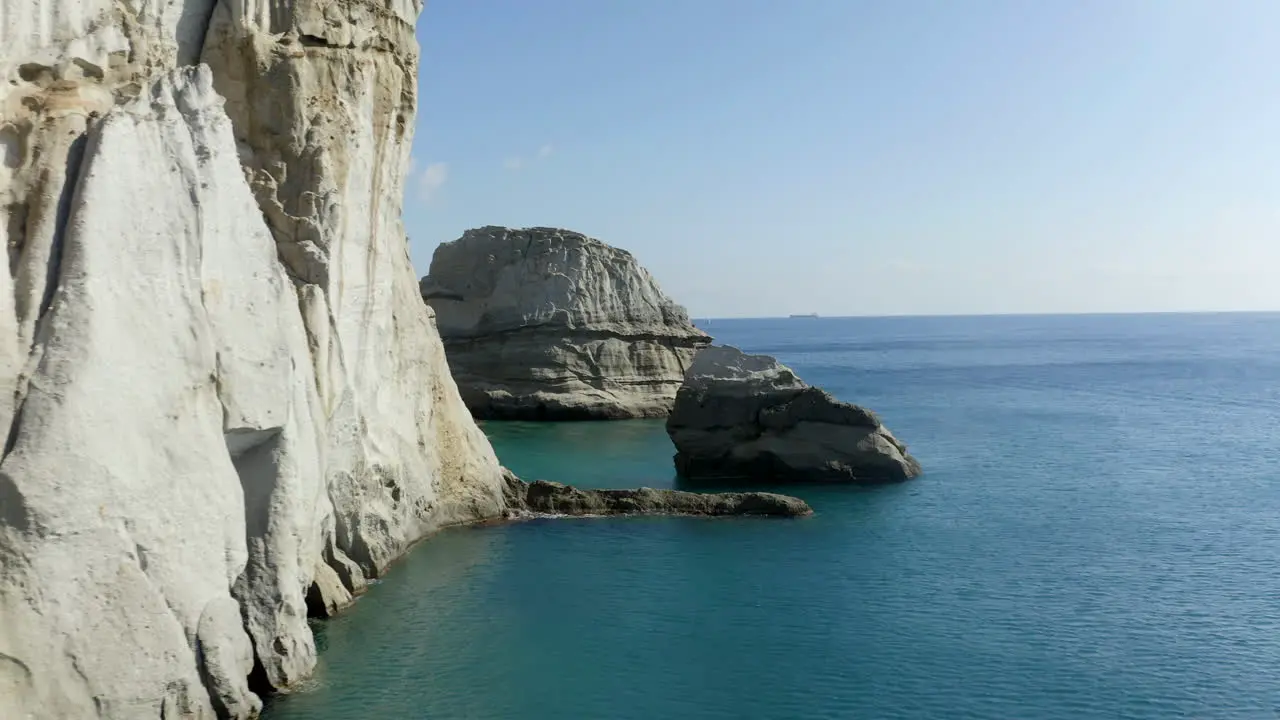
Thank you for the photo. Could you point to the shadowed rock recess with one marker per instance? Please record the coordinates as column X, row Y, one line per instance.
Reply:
column 552, row 498
column 225, row 403
column 547, row 324
column 741, row 416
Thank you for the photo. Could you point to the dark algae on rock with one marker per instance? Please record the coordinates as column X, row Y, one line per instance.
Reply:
column 553, row 498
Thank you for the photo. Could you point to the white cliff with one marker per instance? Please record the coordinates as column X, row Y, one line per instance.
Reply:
column 546, row 324
column 225, row 402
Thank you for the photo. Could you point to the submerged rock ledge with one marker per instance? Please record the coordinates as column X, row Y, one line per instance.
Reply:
column 553, row 498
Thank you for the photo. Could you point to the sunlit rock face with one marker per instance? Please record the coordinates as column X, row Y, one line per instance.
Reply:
column 741, row 417
column 226, row 405
column 548, row 324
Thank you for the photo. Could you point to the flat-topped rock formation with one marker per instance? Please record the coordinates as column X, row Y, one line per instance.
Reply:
column 547, row 324
column 553, row 498
column 748, row 417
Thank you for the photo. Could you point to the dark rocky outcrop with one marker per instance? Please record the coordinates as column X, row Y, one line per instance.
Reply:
column 552, row 498
column 547, row 324
column 740, row 416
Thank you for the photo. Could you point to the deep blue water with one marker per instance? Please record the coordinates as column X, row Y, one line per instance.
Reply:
column 1097, row 535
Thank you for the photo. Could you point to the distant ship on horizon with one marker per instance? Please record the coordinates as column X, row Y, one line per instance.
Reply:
column 805, row 315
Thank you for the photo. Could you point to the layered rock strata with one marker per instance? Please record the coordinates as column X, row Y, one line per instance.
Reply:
column 225, row 403
column 553, row 498
column 748, row 417
column 547, row 324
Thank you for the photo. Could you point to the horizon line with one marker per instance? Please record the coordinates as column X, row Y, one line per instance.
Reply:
column 1107, row 313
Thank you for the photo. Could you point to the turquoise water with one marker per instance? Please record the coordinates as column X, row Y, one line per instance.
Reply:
column 1097, row 535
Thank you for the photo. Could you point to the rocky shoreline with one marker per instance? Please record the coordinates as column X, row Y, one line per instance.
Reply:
column 542, row 497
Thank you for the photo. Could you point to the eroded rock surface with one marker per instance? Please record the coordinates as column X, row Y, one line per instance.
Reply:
column 225, row 403
column 164, row 358
column 740, row 416
column 553, row 498
column 547, row 324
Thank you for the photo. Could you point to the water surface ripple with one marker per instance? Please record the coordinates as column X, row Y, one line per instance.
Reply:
column 1097, row 535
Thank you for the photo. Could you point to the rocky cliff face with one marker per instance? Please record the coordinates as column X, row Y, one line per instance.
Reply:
column 542, row 497
column 547, row 324
column 225, row 403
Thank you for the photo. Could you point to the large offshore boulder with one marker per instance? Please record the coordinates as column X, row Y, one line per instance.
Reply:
column 548, row 324
column 748, row 417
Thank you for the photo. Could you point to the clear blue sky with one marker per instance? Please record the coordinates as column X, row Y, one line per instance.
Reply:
column 765, row 157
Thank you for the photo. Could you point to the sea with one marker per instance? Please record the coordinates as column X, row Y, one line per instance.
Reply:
column 1096, row 535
